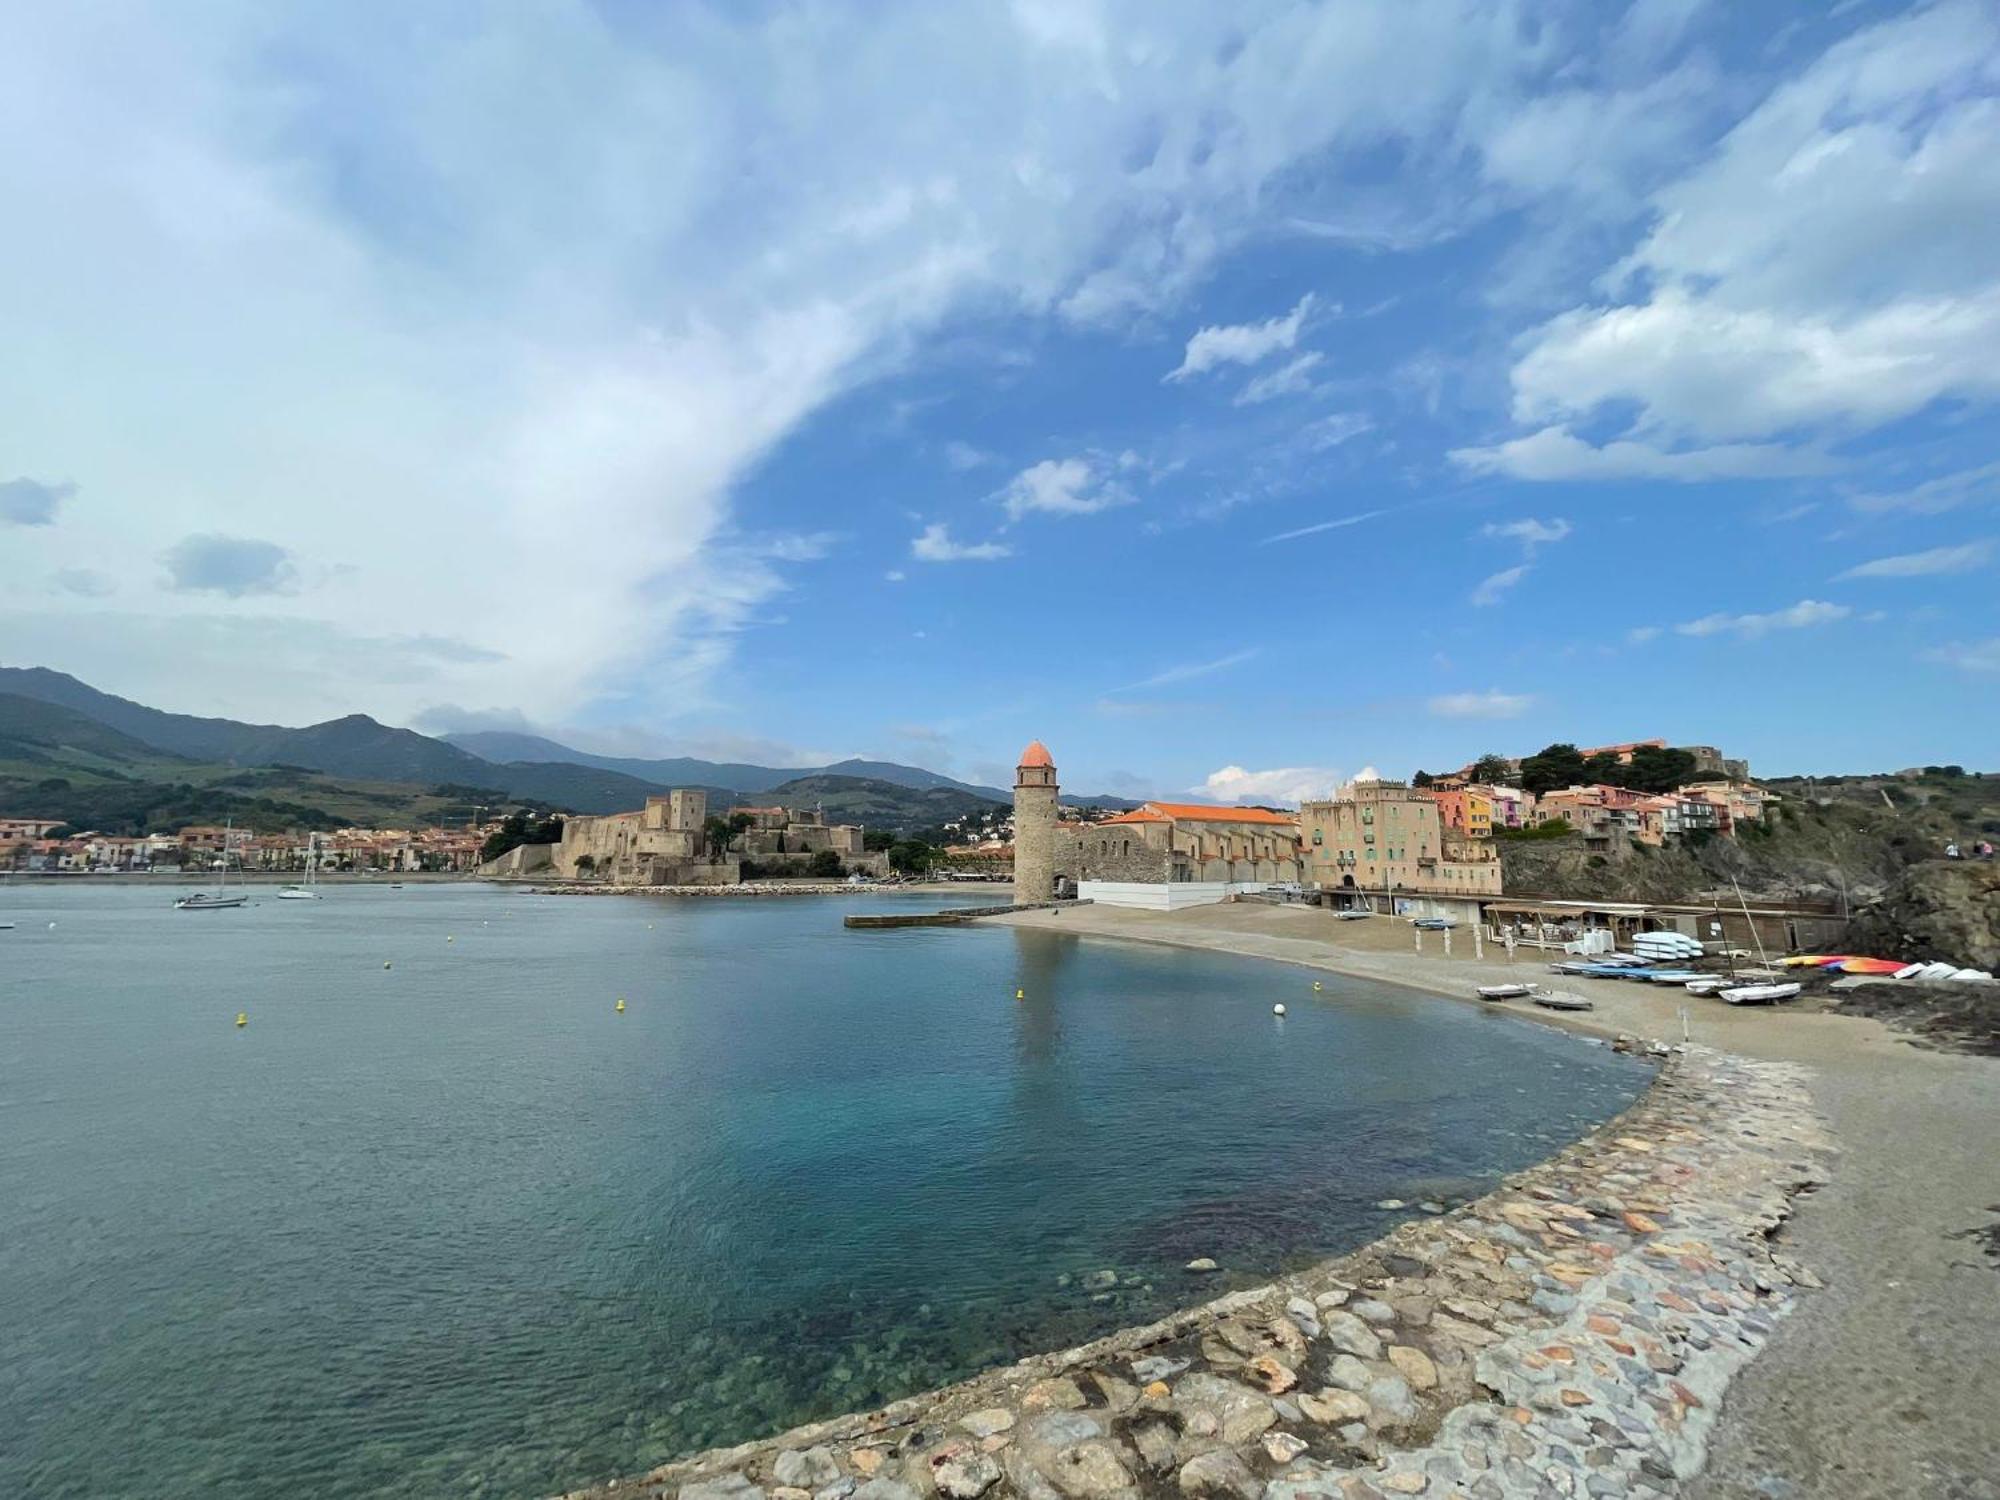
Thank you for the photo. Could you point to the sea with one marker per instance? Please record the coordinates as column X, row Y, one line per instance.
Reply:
column 440, row 1219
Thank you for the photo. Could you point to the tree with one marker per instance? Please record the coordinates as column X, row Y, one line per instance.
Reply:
column 586, row 864
column 1659, row 770
column 518, row 828
column 1603, row 769
column 825, row 865
column 911, row 856
column 1420, row 778
column 1491, row 769
column 716, row 833
column 1555, row 767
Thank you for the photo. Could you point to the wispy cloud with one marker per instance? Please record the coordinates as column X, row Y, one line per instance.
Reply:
column 1332, row 430
column 1961, row 559
column 1801, row 616
column 1638, row 635
column 1318, row 527
column 1946, row 492
column 1969, row 656
column 1291, row 379
column 1489, row 705
column 1494, row 587
column 962, row 456
column 1185, row 671
column 1241, row 343
column 935, row 545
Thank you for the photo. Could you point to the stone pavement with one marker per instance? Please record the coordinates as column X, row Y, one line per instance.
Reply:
column 1570, row 1334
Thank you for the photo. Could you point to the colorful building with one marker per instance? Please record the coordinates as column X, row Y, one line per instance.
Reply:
column 1385, row 836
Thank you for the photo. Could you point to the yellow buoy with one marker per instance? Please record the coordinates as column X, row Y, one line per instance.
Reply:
column 621, row 1007
column 243, row 1018
column 1316, row 986
column 1020, row 994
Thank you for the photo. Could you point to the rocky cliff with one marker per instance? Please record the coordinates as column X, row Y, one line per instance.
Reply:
column 1946, row 910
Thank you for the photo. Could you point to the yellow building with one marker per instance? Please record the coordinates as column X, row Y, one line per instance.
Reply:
column 1384, row 836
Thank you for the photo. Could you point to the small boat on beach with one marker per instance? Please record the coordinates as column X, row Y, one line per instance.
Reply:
column 1708, row 984
column 1759, row 994
column 1563, row 1000
column 1504, row 991
column 1673, row 976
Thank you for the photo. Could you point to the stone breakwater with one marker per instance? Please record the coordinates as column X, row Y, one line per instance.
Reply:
column 1570, row 1334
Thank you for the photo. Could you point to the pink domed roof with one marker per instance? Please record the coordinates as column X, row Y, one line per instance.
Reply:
column 1036, row 754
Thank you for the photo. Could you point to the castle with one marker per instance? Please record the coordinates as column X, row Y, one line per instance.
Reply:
column 664, row 843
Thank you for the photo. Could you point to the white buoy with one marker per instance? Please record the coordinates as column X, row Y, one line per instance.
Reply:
column 52, row 927
column 1278, row 1010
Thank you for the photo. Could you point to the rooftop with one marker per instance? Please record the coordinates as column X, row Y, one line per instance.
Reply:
column 1200, row 812
column 1036, row 755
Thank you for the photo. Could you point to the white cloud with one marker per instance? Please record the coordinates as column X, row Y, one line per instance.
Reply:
column 1969, row 656
column 1064, row 487
column 1528, row 531
column 1291, row 379
column 1826, row 269
column 1638, row 635
column 1241, row 343
column 1961, row 559
column 963, row 456
column 1489, row 705
column 1801, row 616
column 934, row 544
column 1283, row 786
column 894, row 575
column 1494, row 587
column 1556, row 453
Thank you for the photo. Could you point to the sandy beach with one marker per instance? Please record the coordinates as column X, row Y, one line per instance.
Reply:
column 1882, row 1384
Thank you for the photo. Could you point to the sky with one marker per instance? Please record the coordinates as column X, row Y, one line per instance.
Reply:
column 1231, row 397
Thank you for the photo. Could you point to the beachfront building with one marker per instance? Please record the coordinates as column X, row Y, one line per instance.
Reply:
column 1163, row 856
column 1386, row 839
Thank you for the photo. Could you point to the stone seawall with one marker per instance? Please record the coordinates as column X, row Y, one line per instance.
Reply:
column 1568, row 1334
column 951, row 916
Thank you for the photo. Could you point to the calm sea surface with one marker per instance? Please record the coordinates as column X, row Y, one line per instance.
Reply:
column 458, row 1228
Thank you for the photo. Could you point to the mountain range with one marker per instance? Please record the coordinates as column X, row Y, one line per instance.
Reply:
column 484, row 765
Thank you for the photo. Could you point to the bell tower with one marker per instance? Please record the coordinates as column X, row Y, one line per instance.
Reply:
column 1035, row 825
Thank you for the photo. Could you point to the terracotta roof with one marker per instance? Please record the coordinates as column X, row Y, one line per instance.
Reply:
column 1037, row 754
column 1200, row 812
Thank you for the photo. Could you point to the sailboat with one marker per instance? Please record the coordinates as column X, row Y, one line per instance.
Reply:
column 218, row 898
column 308, row 889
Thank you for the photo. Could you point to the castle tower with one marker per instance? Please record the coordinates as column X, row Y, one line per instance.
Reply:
column 1035, row 825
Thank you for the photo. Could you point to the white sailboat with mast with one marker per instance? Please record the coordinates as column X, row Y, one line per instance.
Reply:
column 219, row 898
column 307, row 890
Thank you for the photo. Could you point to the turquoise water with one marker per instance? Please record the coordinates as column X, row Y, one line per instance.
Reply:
column 458, row 1228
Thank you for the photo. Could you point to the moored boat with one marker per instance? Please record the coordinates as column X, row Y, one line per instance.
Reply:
column 1504, row 991
column 208, row 901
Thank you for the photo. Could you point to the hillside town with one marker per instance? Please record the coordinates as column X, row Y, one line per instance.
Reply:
column 28, row 847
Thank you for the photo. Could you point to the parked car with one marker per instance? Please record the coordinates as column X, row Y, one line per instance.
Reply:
column 1434, row 924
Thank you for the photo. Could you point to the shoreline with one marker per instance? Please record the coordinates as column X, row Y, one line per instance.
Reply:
column 1613, row 1288
column 1841, row 1400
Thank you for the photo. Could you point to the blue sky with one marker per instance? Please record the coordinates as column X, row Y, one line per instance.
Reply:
column 1233, row 401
